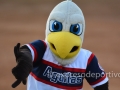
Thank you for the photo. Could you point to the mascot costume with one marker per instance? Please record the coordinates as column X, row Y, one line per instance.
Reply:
column 59, row 62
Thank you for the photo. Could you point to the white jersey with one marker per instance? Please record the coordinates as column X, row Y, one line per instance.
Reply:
column 48, row 74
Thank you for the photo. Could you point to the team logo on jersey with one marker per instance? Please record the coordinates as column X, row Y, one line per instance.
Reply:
column 66, row 77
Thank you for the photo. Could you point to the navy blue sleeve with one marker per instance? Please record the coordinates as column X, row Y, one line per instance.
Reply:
column 94, row 73
column 37, row 48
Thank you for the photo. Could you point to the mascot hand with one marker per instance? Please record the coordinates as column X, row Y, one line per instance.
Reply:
column 24, row 65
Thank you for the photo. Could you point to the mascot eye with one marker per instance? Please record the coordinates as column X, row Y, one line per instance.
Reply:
column 55, row 26
column 76, row 29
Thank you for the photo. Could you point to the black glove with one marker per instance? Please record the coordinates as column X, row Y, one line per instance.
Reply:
column 24, row 65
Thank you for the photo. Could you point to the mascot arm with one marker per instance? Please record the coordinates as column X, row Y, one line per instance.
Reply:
column 96, row 76
column 24, row 64
column 37, row 49
column 27, row 57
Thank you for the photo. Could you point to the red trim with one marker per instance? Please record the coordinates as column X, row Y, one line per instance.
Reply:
column 101, row 79
column 63, row 68
column 35, row 53
column 90, row 58
column 54, row 84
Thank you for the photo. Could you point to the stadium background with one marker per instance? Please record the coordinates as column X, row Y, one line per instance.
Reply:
column 24, row 21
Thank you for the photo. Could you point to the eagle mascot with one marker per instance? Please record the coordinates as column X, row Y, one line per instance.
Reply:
column 59, row 62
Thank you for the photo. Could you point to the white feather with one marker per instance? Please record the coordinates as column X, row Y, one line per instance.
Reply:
column 66, row 12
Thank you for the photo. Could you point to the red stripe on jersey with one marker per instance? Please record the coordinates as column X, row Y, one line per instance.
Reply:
column 35, row 53
column 63, row 68
column 99, row 80
column 90, row 58
column 54, row 84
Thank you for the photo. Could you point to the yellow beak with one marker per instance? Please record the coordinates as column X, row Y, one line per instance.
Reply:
column 64, row 44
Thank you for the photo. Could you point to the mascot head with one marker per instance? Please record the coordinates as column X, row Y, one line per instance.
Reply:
column 65, row 31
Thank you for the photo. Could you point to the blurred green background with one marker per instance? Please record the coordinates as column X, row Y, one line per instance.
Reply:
column 25, row 20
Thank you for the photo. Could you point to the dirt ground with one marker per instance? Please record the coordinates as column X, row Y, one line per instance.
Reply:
column 24, row 21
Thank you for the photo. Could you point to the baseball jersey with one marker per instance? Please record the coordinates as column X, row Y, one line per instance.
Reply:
column 48, row 74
